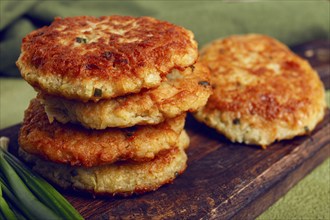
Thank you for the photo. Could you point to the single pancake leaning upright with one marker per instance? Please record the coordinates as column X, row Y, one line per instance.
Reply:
column 262, row 91
column 88, row 58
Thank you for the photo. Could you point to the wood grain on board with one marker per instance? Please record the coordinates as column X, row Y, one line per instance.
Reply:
column 223, row 180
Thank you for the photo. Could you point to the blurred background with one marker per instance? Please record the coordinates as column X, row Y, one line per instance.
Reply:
column 292, row 22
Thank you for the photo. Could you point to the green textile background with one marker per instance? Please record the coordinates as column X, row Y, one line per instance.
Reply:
column 292, row 22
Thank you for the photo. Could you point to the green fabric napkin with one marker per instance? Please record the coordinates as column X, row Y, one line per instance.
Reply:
column 292, row 22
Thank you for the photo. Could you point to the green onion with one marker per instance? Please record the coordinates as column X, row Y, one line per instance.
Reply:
column 204, row 83
column 306, row 128
column 81, row 40
column 192, row 68
column 43, row 190
column 2, row 216
column 4, row 208
column 97, row 92
column 17, row 213
column 236, row 121
column 13, row 200
column 23, row 194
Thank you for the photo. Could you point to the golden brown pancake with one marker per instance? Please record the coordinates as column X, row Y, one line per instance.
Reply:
column 121, row 178
column 75, row 145
column 263, row 92
column 181, row 91
column 89, row 58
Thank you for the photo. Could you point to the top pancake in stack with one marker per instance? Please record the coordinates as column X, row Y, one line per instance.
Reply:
column 88, row 58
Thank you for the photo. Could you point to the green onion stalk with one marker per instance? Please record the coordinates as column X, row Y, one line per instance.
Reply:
column 23, row 194
column 6, row 212
column 42, row 202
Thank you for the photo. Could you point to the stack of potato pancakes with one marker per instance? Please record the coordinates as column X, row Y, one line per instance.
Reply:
column 113, row 93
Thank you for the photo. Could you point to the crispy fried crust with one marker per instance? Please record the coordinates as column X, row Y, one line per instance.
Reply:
column 76, row 145
column 262, row 91
column 88, row 58
column 124, row 178
column 180, row 92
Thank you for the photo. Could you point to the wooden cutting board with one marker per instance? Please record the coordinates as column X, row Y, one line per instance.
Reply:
column 223, row 180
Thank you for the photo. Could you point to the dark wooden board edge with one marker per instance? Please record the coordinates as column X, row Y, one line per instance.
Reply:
column 270, row 185
column 279, row 189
